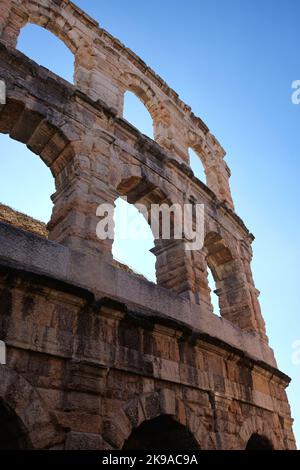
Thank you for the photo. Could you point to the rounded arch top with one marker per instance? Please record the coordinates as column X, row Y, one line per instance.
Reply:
column 133, row 82
column 197, row 142
column 52, row 27
column 39, row 132
column 58, row 18
column 163, row 429
column 53, row 16
column 143, row 90
column 257, row 426
column 119, row 426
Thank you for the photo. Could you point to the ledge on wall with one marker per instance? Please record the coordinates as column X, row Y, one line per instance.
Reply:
column 43, row 257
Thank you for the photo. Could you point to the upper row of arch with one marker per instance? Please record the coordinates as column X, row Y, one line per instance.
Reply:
column 175, row 127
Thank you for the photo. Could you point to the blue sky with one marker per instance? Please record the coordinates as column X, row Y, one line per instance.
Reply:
column 234, row 63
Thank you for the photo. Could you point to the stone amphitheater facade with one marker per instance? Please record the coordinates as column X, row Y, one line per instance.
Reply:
column 97, row 357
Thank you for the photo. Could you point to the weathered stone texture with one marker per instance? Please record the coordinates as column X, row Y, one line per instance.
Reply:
column 95, row 351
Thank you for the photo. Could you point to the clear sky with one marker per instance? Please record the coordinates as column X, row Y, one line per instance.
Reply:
column 234, row 63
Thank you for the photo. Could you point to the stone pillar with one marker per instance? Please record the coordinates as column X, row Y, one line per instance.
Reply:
column 246, row 256
column 224, row 187
column 235, row 287
column 174, row 268
column 183, row 271
column 217, row 170
column 236, row 298
column 201, row 286
column 169, row 132
column 78, row 194
column 94, row 77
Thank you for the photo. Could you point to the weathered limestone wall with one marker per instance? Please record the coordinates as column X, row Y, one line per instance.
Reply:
column 96, row 157
column 100, row 367
column 94, row 351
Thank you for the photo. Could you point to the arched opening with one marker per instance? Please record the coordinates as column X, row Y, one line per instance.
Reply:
column 135, row 112
column 47, row 50
column 197, row 166
column 42, row 138
column 156, row 208
column 26, row 183
column 133, row 240
column 214, row 298
column 258, row 442
column 13, row 435
column 161, row 433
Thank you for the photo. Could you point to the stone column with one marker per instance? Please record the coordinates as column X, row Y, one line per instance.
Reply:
column 78, row 194
column 201, row 286
column 174, row 268
column 235, row 287
column 183, row 271
column 236, row 297
column 246, row 256
column 224, row 187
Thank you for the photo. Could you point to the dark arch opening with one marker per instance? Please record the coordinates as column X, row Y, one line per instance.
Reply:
column 258, row 442
column 12, row 431
column 161, row 433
